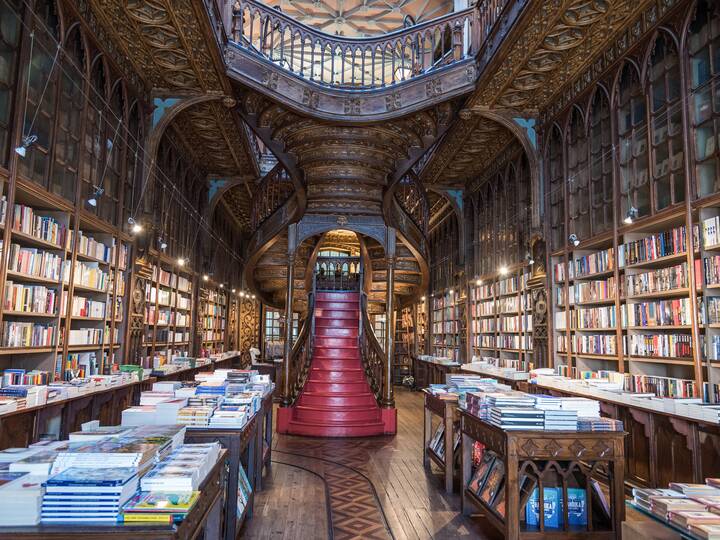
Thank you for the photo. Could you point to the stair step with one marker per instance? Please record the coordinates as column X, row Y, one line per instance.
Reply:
column 335, row 414
column 337, row 387
column 335, row 342
column 338, row 296
column 326, row 399
column 351, row 314
column 326, row 322
column 329, row 331
column 333, row 429
column 336, row 376
column 336, row 363
column 335, row 353
column 320, row 304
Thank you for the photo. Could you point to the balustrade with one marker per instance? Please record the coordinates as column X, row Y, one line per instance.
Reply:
column 411, row 197
column 371, row 352
column 362, row 63
column 273, row 191
column 337, row 273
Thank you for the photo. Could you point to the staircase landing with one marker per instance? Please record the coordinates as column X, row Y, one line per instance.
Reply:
column 337, row 400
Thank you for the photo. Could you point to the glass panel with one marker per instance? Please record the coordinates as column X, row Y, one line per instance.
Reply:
column 10, row 30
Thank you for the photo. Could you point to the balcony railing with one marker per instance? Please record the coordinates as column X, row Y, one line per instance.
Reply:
column 362, row 63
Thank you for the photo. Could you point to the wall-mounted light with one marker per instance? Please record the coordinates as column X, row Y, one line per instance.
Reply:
column 233, row 291
column 631, row 215
column 574, row 240
column 242, row 294
column 503, row 270
column 163, row 243
column 181, row 261
column 451, row 292
column 222, row 285
column 135, row 227
column 92, row 201
column 27, row 142
column 253, row 297
column 205, row 277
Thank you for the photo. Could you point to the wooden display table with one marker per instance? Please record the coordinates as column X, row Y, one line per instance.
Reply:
column 661, row 447
column 59, row 418
column 519, row 378
column 545, row 454
column 427, row 372
column 241, row 447
column 204, row 521
column 264, row 439
column 447, row 410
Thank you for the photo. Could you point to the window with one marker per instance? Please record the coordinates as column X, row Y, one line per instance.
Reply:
column 601, row 160
column 41, row 98
column 578, row 189
column 666, row 124
column 556, row 189
column 10, row 32
column 72, row 100
column 94, row 144
column 274, row 325
column 114, row 155
column 633, row 158
column 704, row 48
column 507, row 224
column 133, row 165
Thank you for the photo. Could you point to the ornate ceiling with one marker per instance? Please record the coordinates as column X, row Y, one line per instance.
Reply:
column 238, row 202
column 551, row 47
column 360, row 18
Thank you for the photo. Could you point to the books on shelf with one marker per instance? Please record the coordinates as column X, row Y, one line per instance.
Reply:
column 28, row 334
column 35, row 262
column 662, row 280
column 87, row 274
column 46, row 228
column 656, row 246
column 594, row 263
column 660, row 345
column 674, row 312
column 35, row 299
column 602, row 317
column 88, row 246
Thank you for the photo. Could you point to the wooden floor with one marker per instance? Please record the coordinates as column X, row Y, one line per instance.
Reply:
column 374, row 488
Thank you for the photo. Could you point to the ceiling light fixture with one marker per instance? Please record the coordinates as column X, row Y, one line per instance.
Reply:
column 205, row 277
column 478, row 282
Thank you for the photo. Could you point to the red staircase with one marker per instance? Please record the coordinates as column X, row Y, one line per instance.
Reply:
column 337, row 400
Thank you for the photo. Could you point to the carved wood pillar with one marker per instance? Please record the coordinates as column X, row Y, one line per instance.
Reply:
column 292, row 241
column 538, row 289
column 388, row 399
column 141, row 276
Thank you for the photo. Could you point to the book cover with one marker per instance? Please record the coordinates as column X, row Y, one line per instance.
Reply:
column 481, row 472
column 493, row 482
column 552, row 514
column 150, row 501
column 577, row 506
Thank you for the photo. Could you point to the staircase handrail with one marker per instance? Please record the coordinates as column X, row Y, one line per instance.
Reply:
column 301, row 353
column 410, row 194
column 397, row 56
column 274, row 190
column 371, row 352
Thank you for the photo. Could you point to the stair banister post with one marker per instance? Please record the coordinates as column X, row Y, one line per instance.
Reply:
column 287, row 350
column 388, row 399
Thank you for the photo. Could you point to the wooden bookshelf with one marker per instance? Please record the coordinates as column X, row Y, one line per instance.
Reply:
column 446, row 324
column 214, row 307
column 501, row 317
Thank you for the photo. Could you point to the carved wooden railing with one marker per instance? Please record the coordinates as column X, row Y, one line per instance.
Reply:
column 371, row 352
column 273, row 191
column 301, row 353
column 337, row 273
column 362, row 63
column 410, row 195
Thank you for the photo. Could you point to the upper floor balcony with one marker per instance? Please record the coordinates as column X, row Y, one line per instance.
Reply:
column 337, row 76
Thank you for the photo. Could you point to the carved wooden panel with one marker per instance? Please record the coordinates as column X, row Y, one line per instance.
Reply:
column 141, row 277
column 249, row 328
column 709, row 451
column 637, row 445
column 673, row 446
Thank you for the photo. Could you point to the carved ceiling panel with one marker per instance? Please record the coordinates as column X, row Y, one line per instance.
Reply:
column 238, row 202
column 361, row 18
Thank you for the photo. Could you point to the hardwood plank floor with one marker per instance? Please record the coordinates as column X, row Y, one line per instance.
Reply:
column 377, row 488
column 370, row 488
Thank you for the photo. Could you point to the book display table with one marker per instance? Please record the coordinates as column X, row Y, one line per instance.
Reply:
column 264, row 439
column 661, row 447
column 61, row 417
column 427, row 372
column 447, row 410
column 547, row 458
column 204, row 521
column 512, row 379
column 241, row 448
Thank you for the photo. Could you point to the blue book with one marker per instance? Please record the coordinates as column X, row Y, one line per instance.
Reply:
column 75, row 476
column 577, row 507
column 552, row 508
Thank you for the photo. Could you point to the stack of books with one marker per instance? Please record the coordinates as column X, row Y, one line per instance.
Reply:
column 157, row 507
column 79, row 495
column 195, row 416
column 22, row 496
column 517, row 418
column 598, row 424
column 560, row 420
column 183, row 470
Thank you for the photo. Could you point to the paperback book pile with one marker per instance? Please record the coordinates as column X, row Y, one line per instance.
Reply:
column 560, row 420
column 517, row 418
column 87, row 495
column 157, row 507
column 694, row 507
column 211, row 388
column 22, row 496
column 183, row 470
column 598, row 424
column 195, row 416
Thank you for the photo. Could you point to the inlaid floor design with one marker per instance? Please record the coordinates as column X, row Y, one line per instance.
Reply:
column 370, row 488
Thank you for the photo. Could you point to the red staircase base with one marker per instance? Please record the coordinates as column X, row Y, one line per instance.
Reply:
column 337, row 400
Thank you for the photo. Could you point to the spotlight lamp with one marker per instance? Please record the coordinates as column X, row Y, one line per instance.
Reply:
column 233, row 291
column 242, row 294
column 27, row 142
column 503, row 270
column 451, row 292
column 574, row 240
column 478, row 282
column 529, row 258
column 222, row 285
column 181, row 261
column 205, row 277
column 253, row 297
column 92, row 201
column 631, row 215
column 163, row 243
column 135, row 227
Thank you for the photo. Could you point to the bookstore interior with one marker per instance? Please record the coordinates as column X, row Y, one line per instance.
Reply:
column 373, row 269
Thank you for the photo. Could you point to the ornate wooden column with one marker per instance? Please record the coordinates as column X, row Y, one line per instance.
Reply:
column 388, row 399
column 538, row 285
column 292, row 240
